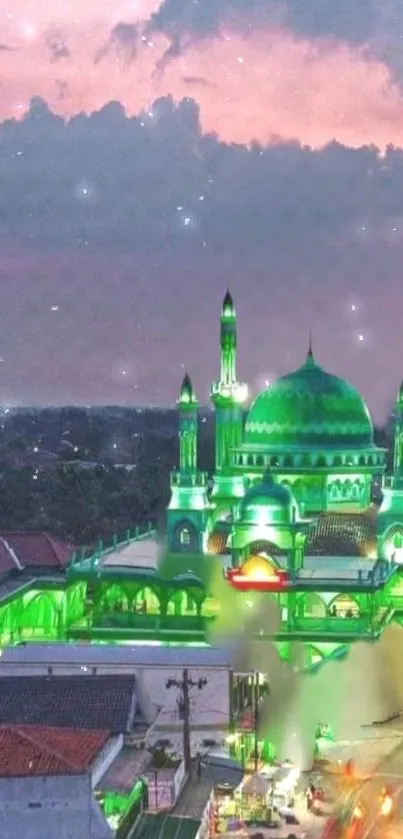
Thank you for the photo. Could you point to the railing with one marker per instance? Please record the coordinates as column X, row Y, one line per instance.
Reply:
column 134, row 535
column 183, row 479
column 129, row 620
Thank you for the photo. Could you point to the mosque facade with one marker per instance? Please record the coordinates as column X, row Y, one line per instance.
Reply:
column 287, row 518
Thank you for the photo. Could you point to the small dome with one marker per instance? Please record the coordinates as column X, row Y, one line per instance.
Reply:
column 258, row 568
column 267, row 501
column 310, row 408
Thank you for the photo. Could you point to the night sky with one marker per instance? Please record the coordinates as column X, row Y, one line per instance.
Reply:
column 153, row 154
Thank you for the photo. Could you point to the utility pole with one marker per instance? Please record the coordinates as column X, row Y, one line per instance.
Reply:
column 256, row 719
column 184, row 686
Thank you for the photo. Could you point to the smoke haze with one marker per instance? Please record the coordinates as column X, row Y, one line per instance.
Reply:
column 363, row 688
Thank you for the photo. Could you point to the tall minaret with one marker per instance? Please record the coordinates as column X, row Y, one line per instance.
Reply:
column 188, row 509
column 188, row 406
column 389, row 520
column 398, row 442
column 228, row 396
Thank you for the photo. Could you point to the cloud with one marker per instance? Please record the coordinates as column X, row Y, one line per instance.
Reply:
column 196, row 81
column 123, row 40
column 6, row 48
column 375, row 24
column 58, row 49
column 147, row 216
column 317, row 18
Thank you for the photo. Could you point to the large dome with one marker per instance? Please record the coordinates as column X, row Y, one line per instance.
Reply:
column 311, row 408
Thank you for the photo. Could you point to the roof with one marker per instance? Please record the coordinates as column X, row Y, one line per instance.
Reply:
column 32, row 750
column 19, row 551
column 160, row 826
column 82, row 701
column 309, row 407
column 126, row 769
column 113, row 656
column 330, row 534
column 343, row 534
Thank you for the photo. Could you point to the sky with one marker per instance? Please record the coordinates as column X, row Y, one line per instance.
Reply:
column 154, row 154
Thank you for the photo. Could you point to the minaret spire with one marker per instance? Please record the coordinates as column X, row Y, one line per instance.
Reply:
column 310, row 352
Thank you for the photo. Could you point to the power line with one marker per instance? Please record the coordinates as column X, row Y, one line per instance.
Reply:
column 184, row 685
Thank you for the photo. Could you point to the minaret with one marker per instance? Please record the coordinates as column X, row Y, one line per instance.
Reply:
column 188, row 407
column 398, row 441
column 390, row 515
column 228, row 396
column 188, row 508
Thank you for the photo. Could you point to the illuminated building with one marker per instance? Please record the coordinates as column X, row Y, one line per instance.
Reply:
column 288, row 511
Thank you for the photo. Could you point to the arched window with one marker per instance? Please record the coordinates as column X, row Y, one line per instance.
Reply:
column 184, row 536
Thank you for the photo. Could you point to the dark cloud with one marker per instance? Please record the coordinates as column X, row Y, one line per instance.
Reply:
column 345, row 21
column 123, row 41
column 6, row 48
column 197, row 81
column 134, row 227
column 62, row 89
column 58, row 50
column 377, row 24
column 138, row 169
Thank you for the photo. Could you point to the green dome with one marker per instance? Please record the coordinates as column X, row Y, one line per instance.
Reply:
column 267, row 500
column 311, row 408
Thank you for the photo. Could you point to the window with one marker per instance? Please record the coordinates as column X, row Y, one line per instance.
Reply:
column 185, row 536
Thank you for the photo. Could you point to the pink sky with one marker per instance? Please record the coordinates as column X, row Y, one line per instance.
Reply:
column 266, row 85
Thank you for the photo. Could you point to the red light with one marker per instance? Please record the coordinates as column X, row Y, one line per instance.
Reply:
column 246, row 582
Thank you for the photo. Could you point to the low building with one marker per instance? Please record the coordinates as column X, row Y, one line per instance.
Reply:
column 47, row 782
column 77, row 701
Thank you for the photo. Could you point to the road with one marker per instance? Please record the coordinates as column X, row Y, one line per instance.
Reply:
column 367, row 796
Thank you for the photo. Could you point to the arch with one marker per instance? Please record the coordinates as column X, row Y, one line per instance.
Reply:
column 344, row 605
column 240, row 460
column 263, row 547
column 7, row 622
column 306, row 461
column 250, row 460
column 40, row 614
column 115, row 598
column 361, row 460
column 185, row 536
column 274, row 461
column 356, row 490
column 288, row 461
column 321, row 460
column 259, row 460
column 337, row 460
column 346, row 489
column 210, row 606
column 311, row 605
column 146, row 601
column 182, row 602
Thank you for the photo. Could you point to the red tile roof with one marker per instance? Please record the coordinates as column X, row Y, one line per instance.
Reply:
column 20, row 550
column 31, row 750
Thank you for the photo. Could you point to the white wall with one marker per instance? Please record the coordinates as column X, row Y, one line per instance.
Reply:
column 105, row 758
column 57, row 807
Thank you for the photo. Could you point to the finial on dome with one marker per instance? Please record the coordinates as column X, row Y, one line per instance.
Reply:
column 310, row 353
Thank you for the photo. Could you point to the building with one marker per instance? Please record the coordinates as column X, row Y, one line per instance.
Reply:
column 47, row 782
column 289, row 511
column 123, row 689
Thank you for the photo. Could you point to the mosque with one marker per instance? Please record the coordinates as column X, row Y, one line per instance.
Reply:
column 288, row 515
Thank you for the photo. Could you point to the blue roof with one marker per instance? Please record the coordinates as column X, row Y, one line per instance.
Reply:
column 102, row 655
